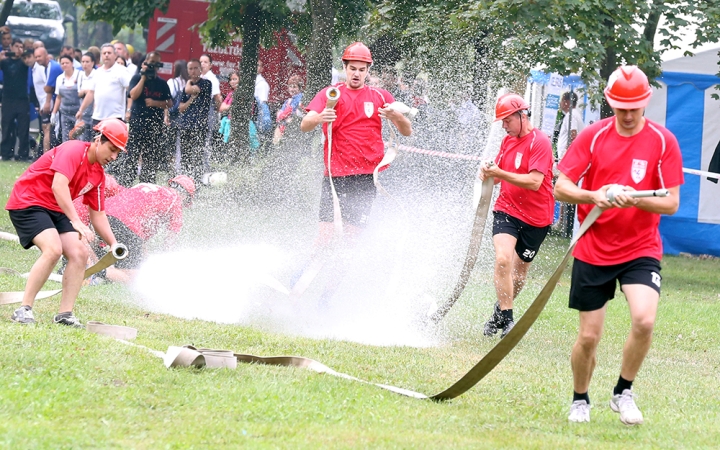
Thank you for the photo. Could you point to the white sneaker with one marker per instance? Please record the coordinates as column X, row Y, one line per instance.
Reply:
column 625, row 405
column 579, row 411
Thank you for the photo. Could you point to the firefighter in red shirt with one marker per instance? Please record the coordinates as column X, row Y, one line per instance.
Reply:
column 357, row 145
column 42, row 211
column 624, row 244
column 141, row 212
column 524, row 209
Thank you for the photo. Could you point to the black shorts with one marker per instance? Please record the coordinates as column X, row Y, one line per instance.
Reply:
column 44, row 118
column 30, row 222
column 592, row 286
column 529, row 238
column 356, row 194
column 132, row 241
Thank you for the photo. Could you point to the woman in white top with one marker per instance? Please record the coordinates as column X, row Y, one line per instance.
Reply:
column 67, row 101
column 86, row 82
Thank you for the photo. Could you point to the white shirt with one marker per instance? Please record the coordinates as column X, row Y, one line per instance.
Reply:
column 86, row 82
column 110, row 92
column 578, row 125
column 176, row 84
column 132, row 68
column 262, row 88
column 39, row 76
column 214, row 81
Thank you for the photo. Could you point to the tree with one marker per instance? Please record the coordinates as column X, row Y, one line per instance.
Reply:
column 589, row 37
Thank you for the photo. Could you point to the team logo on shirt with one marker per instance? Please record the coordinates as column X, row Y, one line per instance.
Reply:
column 86, row 189
column 638, row 170
column 369, row 109
column 518, row 160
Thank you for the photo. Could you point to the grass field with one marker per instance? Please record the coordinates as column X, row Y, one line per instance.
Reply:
column 64, row 388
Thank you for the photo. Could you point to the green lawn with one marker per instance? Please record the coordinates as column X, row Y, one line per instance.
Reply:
column 64, row 388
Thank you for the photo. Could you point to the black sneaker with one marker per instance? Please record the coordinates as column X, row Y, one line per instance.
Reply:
column 68, row 320
column 506, row 327
column 495, row 323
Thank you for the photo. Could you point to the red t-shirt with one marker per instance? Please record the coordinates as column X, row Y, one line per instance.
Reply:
column 523, row 155
column 600, row 156
column 357, row 145
column 34, row 187
column 82, row 210
column 147, row 209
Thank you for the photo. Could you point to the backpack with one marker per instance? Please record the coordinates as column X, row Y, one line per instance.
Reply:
column 174, row 111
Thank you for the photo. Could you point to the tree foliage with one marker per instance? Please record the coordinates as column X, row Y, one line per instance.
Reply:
column 120, row 13
column 588, row 37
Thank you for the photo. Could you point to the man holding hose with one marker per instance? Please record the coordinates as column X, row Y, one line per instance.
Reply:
column 42, row 211
column 624, row 243
column 357, row 145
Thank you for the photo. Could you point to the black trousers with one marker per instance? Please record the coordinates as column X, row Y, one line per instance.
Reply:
column 192, row 150
column 146, row 140
column 12, row 111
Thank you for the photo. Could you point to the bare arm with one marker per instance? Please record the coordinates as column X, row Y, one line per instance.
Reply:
column 100, row 222
column 531, row 181
column 138, row 88
column 312, row 119
column 87, row 101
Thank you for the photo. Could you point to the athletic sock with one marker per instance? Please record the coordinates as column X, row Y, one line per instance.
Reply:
column 507, row 315
column 584, row 396
column 64, row 314
column 27, row 307
column 622, row 384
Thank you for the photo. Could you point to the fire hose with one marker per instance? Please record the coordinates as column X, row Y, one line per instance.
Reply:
column 115, row 254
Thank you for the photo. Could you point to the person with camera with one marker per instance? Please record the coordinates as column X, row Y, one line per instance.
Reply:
column 194, row 109
column 15, row 66
column 150, row 97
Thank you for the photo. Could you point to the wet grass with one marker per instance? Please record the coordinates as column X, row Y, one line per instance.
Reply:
column 65, row 388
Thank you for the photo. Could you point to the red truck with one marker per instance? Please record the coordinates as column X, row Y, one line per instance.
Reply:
column 174, row 36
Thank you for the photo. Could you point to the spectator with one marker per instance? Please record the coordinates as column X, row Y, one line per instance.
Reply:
column 207, row 73
column 108, row 92
column 45, row 74
column 120, row 60
column 137, row 58
column 28, row 44
column 77, row 54
column 234, row 81
column 565, row 139
column 15, row 102
column 194, row 109
column 262, row 88
column 6, row 38
column 38, row 44
column 68, row 50
column 291, row 112
column 121, row 50
column 86, row 83
column 150, row 97
column 177, row 87
column 98, row 56
column 67, row 102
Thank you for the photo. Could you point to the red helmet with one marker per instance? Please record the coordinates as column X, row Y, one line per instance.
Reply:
column 184, row 182
column 628, row 88
column 111, row 186
column 357, row 51
column 115, row 130
column 508, row 104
